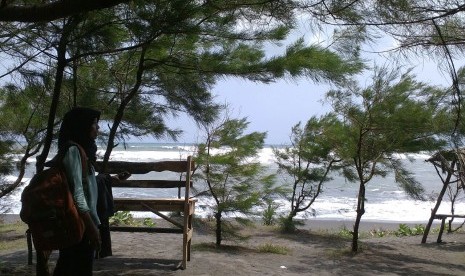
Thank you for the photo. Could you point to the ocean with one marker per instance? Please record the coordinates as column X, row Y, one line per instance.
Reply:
column 386, row 201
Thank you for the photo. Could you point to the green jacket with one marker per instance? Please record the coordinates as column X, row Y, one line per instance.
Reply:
column 85, row 193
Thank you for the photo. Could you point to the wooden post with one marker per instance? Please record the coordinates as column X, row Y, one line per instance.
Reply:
column 443, row 221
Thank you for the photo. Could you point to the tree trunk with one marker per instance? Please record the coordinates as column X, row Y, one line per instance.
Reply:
column 218, row 216
column 445, row 184
column 42, row 263
column 122, row 107
column 360, row 212
column 292, row 215
column 289, row 225
column 60, row 69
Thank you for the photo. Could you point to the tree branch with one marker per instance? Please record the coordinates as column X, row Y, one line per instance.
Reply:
column 52, row 11
column 455, row 79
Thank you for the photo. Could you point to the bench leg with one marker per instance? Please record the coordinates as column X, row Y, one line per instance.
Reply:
column 189, row 250
column 29, row 247
column 185, row 243
column 443, row 222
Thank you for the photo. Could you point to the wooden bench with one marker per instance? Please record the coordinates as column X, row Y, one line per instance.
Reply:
column 182, row 204
column 443, row 218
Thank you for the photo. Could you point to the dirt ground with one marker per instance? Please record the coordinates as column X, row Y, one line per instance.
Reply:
column 311, row 251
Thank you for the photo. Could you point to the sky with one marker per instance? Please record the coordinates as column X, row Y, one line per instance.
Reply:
column 274, row 108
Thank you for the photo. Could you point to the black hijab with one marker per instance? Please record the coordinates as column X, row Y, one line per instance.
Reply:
column 76, row 127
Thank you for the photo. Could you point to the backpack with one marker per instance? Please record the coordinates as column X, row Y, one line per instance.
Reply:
column 48, row 208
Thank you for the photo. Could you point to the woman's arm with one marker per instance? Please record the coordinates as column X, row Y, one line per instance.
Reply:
column 73, row 169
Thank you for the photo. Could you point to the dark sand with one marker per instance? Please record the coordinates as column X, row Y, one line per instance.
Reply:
column 313, row 250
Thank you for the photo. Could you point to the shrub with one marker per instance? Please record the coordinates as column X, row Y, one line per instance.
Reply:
column 405, row 230
column 148, row 222
column 287, row 225
column 269, row 214
column 122, row 218
column 379, row 233
column 345, row 233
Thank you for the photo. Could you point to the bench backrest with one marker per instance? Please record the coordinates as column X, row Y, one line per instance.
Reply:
column 182, row 166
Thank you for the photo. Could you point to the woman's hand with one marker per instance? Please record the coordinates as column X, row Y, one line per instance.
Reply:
column 92, row 233
column 123, row 175
column 115, row 179
column 94, row 238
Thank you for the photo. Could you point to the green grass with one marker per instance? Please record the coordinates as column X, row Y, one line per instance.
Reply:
column 15, row 226
column 345, row 233
column 273, row 248
column 12, row 236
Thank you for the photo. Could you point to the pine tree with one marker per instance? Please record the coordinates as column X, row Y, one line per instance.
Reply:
column 392, row 115
column 232, row 175
column 305, row 163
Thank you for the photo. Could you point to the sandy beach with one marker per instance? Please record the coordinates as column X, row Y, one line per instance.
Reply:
column 317, row 248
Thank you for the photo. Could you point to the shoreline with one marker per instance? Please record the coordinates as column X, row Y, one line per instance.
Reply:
column 308, row 224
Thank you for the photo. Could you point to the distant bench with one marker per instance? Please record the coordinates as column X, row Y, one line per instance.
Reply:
column 443, row 218
column 184, row 205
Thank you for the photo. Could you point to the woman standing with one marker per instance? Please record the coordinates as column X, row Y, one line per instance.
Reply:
column 80, row 126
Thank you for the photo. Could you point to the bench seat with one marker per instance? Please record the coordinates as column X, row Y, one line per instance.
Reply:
column 150, row 204
column 443, row 218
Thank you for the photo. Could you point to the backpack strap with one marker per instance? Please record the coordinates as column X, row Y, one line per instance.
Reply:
column 56, row 162
column 82, row 152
